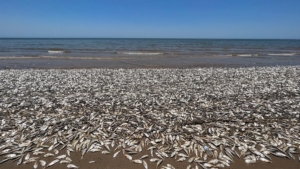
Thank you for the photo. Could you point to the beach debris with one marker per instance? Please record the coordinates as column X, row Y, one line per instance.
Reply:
column 203, row 116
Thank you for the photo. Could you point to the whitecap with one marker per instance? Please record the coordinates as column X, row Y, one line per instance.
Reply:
column 140, row 53
column 244, row 55
column 281, row 54
column 55, row 51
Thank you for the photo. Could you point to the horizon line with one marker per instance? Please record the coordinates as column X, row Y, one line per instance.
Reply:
column 145, row 38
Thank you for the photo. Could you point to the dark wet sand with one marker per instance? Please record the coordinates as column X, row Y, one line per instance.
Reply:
column 121, row 162
column 150, row 62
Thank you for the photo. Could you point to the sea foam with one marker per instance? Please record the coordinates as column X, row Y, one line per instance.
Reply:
column 140, row 53
column 55, row 51
column 281, row 54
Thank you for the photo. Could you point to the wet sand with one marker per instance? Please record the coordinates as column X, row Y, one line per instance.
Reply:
column 121, row 162
column 145, row 62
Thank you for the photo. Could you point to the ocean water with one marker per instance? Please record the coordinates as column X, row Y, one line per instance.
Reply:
column 101, row 47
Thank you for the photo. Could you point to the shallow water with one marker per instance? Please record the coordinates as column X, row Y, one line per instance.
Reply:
column 101, row 47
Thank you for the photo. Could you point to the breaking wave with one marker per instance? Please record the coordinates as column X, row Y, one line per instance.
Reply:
column 281, row 54
column 140, row 53
column 55, row 51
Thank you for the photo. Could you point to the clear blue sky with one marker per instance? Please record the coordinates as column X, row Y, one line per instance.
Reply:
column 151, row 18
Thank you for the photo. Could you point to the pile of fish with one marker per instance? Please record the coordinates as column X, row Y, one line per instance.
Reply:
column 205, row 117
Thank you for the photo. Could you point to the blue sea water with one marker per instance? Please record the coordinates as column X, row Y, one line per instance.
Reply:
column 101, row 47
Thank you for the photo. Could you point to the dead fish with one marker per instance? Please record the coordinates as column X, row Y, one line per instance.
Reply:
column 279, row 154
column 158, row 163
column 52, row 163
column 20, row 160
column 64, row 161
column 154, row 159
column 61, row 156
column 137, row 161
column 145, row 164
column 4, row 160
column 11, row 155
column 213, row 161
column 27, row 156
column 29, row 161
column 55, row 151
column 36, row 153
column 207, row 165
column 249, row 161
column 128, row 156
column 181, row 159
column 116, row 154
column 144, row 156
column 191, row 159
column 49, row 155
column 35, row 166
column 264, row 160
column 72, row 166
column 43, row 163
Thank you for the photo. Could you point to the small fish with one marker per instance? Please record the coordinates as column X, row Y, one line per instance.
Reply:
column 144, row 156
column 145, row 164
column 220, row 165
column 128, row 156
column 93, row 150
column 11, row 155
column 27, row 156
column 279, row 154
column 208, row 165
column 20, row 160
column 72, row 166
column 52, row 163
column 4, row 160
column 92, row 162
column 65, row 161
column 137, row 161
column 55, row 151
column 264, row 159
column 154, row 159
column 158, row 163
column 191, row 159
column 35, row 166
column 36, row 153
column 69, row 159
column 29, row 161
column 116, row 154
column 250, row 161
column 164, row 154
column 181, row 159
column 213, row 161
column 49, row 155
column 43, row 163
column 61, row 156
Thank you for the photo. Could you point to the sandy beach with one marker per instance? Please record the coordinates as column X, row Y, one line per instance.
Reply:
column 150, row 118
column 52, row 62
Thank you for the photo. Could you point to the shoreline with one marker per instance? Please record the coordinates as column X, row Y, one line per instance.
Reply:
column 208, row 116
column 145, row 62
